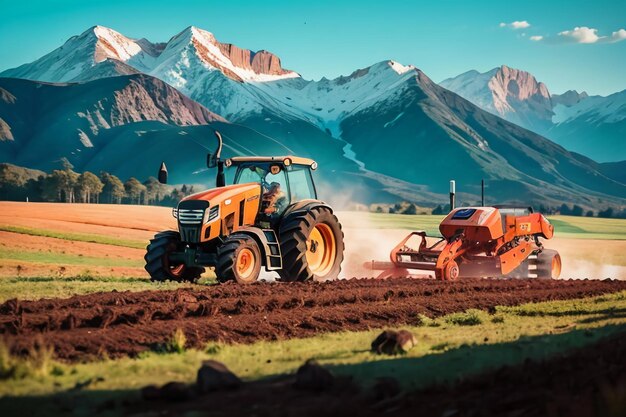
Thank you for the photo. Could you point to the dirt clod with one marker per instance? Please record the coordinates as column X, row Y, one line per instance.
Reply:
column 391, row 342
column 215, row 376
column 313, row 377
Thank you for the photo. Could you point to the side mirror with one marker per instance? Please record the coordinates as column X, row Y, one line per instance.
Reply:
column 211, row 160
column 163, row 173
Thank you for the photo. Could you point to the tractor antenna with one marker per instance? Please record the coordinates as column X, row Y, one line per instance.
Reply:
column 482, row 193
column 452, row 192
column 220, row 179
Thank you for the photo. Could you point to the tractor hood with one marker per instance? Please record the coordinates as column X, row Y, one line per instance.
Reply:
column 219, row 195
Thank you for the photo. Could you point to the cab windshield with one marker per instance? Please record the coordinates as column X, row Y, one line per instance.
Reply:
column 281, row 185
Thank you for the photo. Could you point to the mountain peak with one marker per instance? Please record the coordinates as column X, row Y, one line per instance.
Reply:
column 399, row 68
column 569, row 98
column 508, row 92
column 517, row 83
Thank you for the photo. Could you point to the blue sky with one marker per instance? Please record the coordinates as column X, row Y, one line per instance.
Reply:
column 330, row 38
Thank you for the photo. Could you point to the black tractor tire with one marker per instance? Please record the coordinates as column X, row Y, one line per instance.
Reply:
column 158, row 264
column 548, row 264
column 299, row 249
column 238, row 259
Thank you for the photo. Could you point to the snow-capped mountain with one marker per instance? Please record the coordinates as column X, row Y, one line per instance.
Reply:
column 176, row 61
column 593, row 126
column 510, row 93
column 80, row 53
column 568, row 98
column 384, row 131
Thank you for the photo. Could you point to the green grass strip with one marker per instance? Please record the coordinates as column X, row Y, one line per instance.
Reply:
column 66, row 259
column 34, row 288
column 81, row 237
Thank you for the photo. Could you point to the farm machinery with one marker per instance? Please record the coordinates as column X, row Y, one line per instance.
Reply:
column 498, row 241
column 269, row 217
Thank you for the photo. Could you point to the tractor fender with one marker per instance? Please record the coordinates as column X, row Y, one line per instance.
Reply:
column 268, row 245
column 547, row 229
column 306, row 205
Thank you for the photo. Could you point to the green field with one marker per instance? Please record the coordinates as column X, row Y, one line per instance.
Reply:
column 80, row 237
column 66, row 259
column 34, row 288
column 589, row 227
column 565, row 226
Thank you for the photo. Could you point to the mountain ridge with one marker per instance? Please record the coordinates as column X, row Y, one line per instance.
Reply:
column 591, row 125
column 387, row 125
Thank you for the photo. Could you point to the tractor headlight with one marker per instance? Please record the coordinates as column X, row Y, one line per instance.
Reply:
column 211, row 214
column 175, row 213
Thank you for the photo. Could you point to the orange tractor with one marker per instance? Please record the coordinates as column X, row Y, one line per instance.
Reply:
column 498, row 241
column 269, row 217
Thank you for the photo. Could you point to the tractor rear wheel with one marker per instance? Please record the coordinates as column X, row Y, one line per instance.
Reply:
column 158, row 263
column 311, row 244
column 238, row 259
column 548, row 264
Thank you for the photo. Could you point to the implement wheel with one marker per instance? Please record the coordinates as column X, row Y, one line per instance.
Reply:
column 238, row 259
column 451, row 272
column 548, row 264
column 158, row 263
column 311, row 243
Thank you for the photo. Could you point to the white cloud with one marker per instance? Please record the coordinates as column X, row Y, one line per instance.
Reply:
column 617, row 36
column 518, row 24
column 582, row 34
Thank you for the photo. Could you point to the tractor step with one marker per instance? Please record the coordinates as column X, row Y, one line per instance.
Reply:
column 273, row 258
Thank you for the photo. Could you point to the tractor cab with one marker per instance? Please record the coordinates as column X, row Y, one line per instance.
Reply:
column 283, row 179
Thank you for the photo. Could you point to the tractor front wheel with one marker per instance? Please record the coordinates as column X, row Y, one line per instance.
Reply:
column 158, row 263
column 311, row 243
column 238, row 259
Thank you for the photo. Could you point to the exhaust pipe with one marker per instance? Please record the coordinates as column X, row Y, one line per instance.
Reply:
column 452, row 193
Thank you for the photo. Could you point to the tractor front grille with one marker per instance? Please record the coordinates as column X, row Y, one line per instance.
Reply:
column 189, row 216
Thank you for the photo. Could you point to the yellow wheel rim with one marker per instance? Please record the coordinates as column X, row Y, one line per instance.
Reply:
column 245, row 263
column 321, row 250
column 556, row 266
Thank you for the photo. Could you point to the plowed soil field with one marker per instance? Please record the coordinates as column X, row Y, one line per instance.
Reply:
column 125, row 323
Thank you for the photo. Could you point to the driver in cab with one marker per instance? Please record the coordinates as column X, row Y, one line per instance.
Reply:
column 274, row 199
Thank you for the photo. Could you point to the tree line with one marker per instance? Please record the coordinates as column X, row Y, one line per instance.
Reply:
column 66, row 185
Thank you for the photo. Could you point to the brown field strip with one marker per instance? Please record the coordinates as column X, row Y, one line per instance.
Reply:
column 118, row 324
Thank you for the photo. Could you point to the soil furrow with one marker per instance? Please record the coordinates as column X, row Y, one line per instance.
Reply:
column 118, row 324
